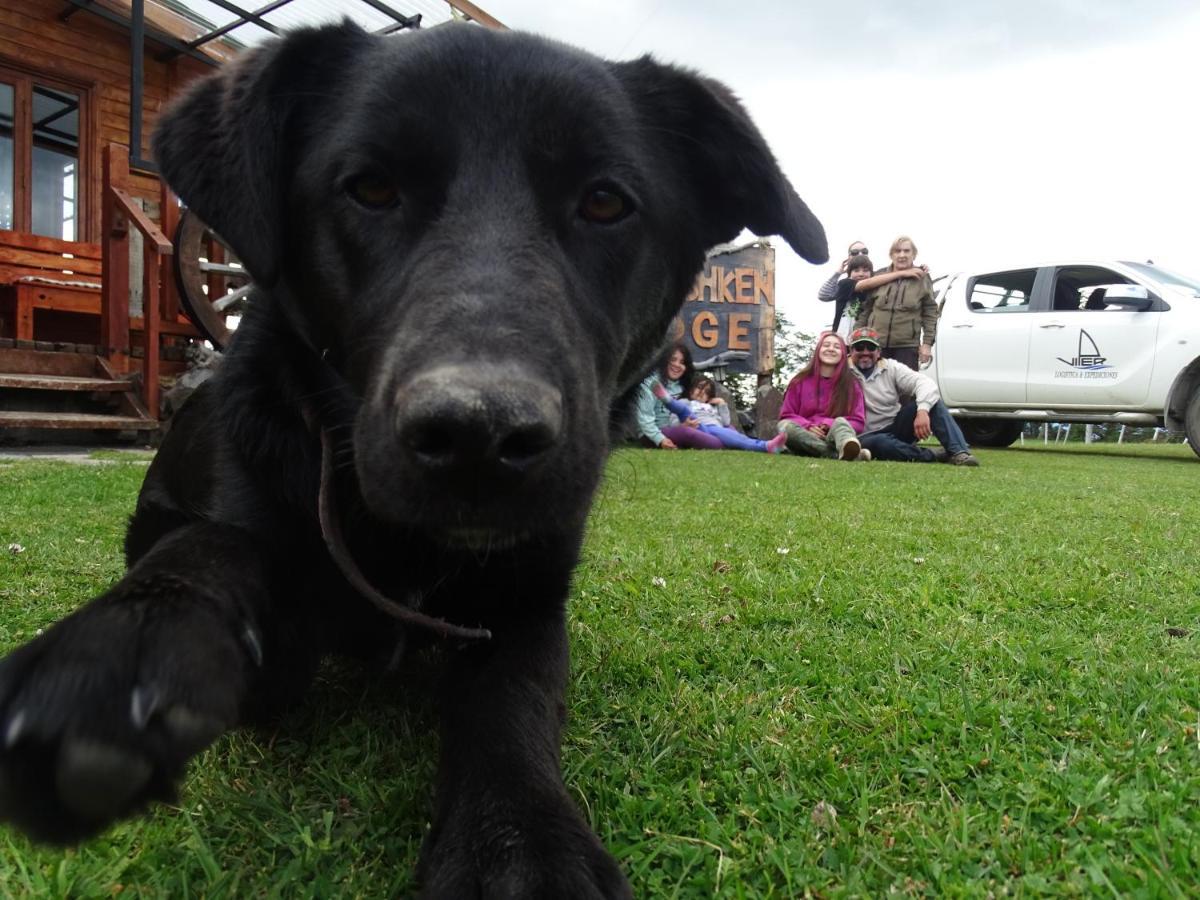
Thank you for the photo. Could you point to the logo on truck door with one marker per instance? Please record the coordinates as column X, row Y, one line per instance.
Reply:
column 1083, row 360
column 1087, row 361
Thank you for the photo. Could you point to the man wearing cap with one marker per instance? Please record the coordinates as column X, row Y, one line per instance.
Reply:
column 895, row 426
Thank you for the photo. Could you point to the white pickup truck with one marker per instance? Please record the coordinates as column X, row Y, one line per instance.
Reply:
column 1069, row 342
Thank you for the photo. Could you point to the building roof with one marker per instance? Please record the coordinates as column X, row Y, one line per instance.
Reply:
column 220, row 29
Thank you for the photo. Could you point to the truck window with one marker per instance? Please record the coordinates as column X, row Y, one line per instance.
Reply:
column 1001, row 292
column 1083, row 288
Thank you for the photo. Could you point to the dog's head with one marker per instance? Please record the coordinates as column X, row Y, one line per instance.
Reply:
column 486, row 233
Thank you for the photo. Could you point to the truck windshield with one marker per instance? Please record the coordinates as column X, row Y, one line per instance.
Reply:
column 1162, row 276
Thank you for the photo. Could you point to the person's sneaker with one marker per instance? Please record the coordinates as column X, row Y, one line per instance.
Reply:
column 850, row 449
column 775, row 444
column 659, row 391
column 963, row 459
column 940, row 454
column 864, row 455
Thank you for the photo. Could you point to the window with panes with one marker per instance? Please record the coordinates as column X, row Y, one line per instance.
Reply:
column 40, row 178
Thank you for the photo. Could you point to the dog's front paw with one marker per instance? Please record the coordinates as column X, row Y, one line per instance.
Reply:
column 100, row 715
column 490, row 851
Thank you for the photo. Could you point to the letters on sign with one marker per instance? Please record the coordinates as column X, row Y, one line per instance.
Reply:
column 732, row 307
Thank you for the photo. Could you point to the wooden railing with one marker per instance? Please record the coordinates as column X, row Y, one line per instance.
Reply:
column 118, row 213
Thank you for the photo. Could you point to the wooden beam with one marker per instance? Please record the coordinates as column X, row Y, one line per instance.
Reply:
column 71, row 383
column 168, row 215
column 48, row 362
column 24, row 241
column 152, row 319
column 114, row 307
column 473, row 12
column 76, row 421
column 150, row 231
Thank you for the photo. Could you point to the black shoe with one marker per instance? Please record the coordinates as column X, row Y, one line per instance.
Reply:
column 940, row 454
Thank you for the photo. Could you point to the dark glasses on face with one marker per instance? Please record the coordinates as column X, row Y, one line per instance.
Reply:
column 862, row 251
column 862, row 348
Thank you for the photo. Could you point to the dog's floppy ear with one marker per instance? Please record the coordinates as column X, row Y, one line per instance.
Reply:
column 223, row 147
column 726, row 161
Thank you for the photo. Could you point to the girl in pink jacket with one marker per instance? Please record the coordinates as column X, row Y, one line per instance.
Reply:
column 823, row 408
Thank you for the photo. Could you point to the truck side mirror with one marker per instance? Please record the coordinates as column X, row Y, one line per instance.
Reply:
column 1134, row 296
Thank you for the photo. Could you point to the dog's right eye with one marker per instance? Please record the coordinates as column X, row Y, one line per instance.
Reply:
column 373, row 191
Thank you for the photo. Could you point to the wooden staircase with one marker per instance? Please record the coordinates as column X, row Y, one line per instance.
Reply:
column 55, row 292
column 55, row 391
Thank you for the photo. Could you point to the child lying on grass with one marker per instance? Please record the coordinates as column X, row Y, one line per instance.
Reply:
column 712, row 415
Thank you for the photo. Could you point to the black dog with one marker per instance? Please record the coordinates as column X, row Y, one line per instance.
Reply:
column 470, row 245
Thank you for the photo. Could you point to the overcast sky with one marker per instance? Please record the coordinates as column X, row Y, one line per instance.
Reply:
column 994, row 133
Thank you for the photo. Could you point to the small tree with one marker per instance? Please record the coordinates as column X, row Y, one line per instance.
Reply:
column 793, row 348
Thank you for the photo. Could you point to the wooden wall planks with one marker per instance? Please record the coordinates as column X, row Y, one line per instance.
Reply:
column 91, row 55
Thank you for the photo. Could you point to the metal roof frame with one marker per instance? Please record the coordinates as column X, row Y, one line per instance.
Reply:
column 174, row 45
column 400, row 21
column 158, row 36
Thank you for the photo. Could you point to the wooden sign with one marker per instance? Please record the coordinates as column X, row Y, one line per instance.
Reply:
column 732, row 307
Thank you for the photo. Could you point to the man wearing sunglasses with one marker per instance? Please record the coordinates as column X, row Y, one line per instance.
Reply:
column 894, row 426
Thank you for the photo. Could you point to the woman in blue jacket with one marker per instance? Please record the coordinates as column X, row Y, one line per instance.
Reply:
column 656, row 426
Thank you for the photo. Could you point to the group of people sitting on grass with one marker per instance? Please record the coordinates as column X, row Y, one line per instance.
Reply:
column 859, row 400
column 846, row 403
column 862, row 400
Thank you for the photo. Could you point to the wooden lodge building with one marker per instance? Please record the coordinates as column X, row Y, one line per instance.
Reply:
column 92, row 321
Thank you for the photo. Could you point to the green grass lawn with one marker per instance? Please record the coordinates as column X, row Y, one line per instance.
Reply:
column 990, row 675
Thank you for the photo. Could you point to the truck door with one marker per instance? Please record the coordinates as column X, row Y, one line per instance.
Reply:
column 983, row 339
column 1087, row 352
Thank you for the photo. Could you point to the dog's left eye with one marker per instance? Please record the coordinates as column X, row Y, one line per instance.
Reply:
column 604, row 206
column 373, row 191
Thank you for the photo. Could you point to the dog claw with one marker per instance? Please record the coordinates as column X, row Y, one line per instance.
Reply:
column 15, row 730
column 143, row 703
column 253, row 644
column 96, row 781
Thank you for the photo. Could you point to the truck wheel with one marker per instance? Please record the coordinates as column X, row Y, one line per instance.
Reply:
column 1191, row 421
column 990, row 432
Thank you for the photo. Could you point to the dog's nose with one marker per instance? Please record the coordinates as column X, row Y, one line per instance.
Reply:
column 479, row 419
